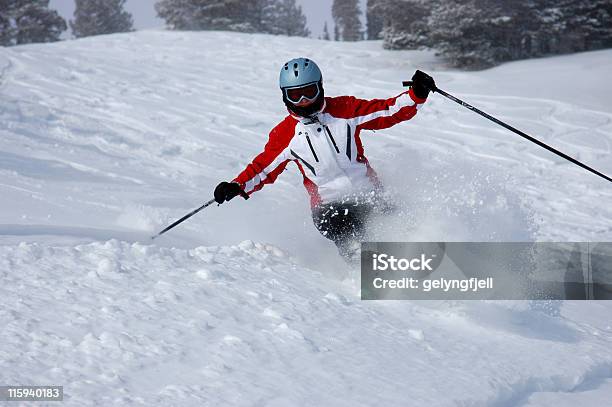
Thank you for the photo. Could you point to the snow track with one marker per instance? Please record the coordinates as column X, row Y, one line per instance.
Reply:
column 105, row 140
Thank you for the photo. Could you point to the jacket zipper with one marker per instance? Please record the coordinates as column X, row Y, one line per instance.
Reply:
column 312, row 149
column 348, row 141
column 310, row 167
column 331, row 138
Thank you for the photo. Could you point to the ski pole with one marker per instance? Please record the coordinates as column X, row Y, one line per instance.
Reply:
column 190, row 214
column 516, row 131
column 184, row 218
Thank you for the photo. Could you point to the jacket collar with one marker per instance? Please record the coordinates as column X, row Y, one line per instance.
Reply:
column 311, row 118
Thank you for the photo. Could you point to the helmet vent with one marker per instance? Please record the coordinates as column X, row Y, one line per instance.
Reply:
column 297, row 72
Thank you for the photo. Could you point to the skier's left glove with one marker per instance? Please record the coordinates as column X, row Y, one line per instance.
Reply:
column 422, row 84
column 226, row 191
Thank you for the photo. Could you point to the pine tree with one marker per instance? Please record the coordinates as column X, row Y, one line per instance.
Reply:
column 587, row 25
column 472, row 34
column 375, row 19
column 232, row 15
column 95, row 17
column 481, row 33
column 178, row 14
column 346, row 18
column 283, row 17
column 326, row 36
column 6, row 30
column 456, row 35
column 29, row 21
column 406, row 23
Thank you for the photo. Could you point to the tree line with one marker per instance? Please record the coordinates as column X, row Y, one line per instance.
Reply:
column 479, row 33
column 30, row 21
column 468, row 33
column 263, row 16
column 482, row 33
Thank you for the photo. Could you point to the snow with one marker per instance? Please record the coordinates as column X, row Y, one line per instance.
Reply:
column 106, row 140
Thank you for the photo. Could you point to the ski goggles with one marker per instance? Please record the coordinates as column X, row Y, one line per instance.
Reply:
column 310, row 92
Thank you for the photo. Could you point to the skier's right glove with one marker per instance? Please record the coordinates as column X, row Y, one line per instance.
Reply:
column 422, row 84
column 226, row 191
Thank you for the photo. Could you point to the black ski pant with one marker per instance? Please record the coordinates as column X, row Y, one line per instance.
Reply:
column 345, row 225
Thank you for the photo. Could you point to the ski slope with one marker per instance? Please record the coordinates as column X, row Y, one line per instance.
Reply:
column 105, row 140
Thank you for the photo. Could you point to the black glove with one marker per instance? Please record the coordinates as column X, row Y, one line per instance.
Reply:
column 225, row 191
column 422, row 84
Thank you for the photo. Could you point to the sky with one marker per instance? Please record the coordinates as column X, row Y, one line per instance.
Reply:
column 143, row 12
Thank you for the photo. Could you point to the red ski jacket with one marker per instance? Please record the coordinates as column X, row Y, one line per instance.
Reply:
column 327, row 148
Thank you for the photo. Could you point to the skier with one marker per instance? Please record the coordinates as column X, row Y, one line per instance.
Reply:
column 321, row 135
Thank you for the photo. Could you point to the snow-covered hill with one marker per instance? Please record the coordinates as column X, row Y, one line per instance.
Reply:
column 105, row 140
